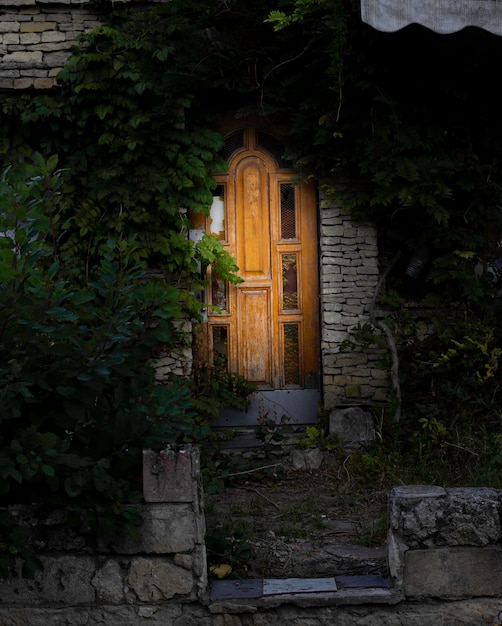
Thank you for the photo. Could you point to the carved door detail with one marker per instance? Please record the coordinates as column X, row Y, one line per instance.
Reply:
column 267, row 327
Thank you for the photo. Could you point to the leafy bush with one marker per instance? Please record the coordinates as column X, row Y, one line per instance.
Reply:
column 78, row 396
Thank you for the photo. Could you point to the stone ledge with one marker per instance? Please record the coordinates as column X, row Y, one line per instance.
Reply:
column 246, row 596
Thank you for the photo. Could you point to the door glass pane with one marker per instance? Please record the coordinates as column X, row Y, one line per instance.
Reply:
column 289, row 283
column 291, row 355
column 220, row 346
column 219, row 293
column 288, row 213
column 217, row 213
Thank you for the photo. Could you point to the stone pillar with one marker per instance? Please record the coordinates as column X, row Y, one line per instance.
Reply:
column 445, row 543
column 172, row 477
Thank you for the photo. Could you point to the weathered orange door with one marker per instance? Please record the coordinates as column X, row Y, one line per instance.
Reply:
column 267, row 327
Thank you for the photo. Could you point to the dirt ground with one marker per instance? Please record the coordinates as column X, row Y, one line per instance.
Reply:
column 282, row 523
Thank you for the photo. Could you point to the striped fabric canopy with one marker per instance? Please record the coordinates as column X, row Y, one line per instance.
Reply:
column 441, row 16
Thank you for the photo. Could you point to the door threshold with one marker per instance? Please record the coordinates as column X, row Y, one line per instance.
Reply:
column 291, row 406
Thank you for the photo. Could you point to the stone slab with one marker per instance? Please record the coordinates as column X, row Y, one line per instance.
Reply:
column 167, row 476
column 362, row 582
column 229, row 589
column 453, row 572
column 280, row 586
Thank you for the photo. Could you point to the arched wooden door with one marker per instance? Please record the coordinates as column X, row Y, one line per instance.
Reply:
column 267, row 327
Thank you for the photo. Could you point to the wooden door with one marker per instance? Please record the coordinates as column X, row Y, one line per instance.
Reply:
column 267, row 327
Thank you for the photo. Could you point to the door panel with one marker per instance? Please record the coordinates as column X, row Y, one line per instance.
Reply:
column 254, row 335
column 252, row 216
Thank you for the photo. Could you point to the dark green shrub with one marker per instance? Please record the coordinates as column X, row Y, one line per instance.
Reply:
column 78, row 396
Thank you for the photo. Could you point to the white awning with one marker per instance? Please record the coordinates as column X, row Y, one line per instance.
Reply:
column 441, row 16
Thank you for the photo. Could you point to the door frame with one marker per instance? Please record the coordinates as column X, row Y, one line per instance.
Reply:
column 280, row 401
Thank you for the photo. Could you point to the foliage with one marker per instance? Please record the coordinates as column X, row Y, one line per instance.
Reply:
column 453, row 384
column 214, row 388
column 418, row 136
column 78, row 397
column 271, row 429
column 318, row 436
column 209, row 251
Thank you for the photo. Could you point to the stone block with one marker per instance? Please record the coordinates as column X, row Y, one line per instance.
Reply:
column 37, row 27
column 10, row 38
column 471, row 517
column 65, row 580
column 432, row 516
column 352, row 425
column 306, row 459
column 28, row 39
column 167, row 475
column 414, row 511
column 53, row 36
column 165, row 529
column 108, row 583
column 152, row 580
column 44, row 83
column 55, row 59
column 453, row 572
column 9, row 27
column 23, row 83
column 24, row 58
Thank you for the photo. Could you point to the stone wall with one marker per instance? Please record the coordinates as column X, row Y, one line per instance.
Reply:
column 119, row 575
column 178, row 362
column 349, row 276
column 36, row 39
column 444, row 558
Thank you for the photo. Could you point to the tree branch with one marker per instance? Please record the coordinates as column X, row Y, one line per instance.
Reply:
column 389, row 338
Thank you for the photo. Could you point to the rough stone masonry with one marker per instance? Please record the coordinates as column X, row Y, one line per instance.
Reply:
column 444, row 558
column 36, row 40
